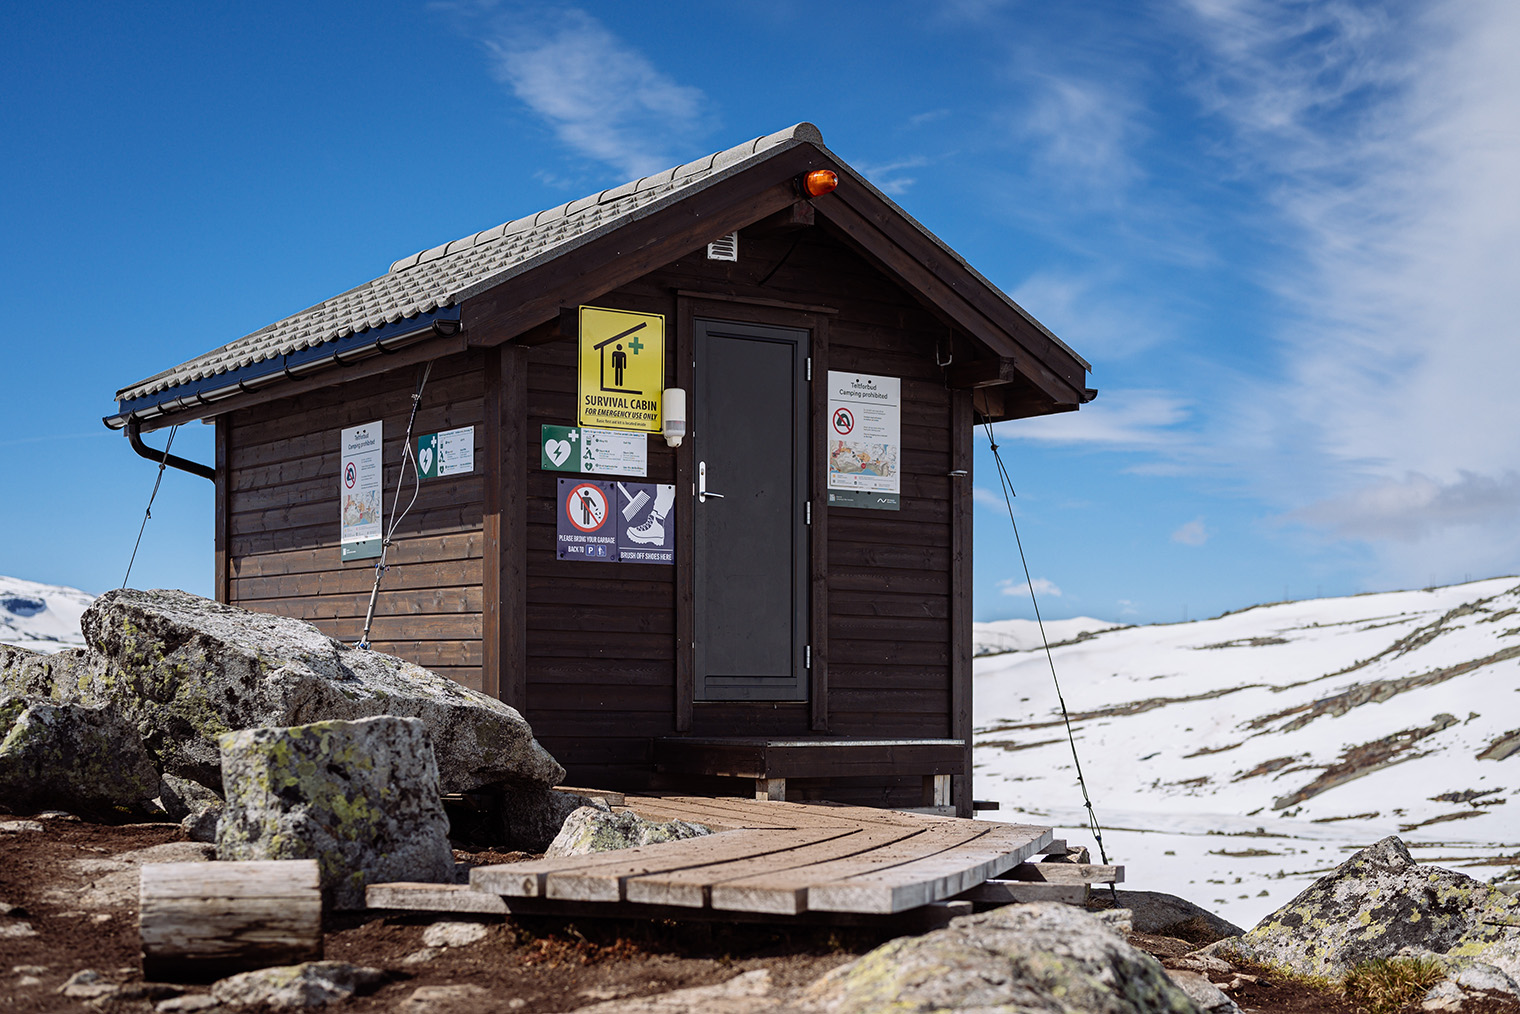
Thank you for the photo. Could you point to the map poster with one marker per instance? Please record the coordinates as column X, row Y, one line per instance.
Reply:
column 451, row 452
column 584, row 528
column 865, row 441
column 359, row 482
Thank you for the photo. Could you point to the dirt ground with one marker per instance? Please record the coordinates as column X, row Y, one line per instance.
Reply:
column 69, row 883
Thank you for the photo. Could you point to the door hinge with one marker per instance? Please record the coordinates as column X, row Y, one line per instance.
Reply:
column 809, row 512
column 810, row 368
column 807, row 656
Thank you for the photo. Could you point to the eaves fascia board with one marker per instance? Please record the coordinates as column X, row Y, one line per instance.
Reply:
column 953, row 255
column 269, row 372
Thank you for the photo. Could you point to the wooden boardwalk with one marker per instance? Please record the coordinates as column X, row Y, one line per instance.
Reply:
column 765, row 858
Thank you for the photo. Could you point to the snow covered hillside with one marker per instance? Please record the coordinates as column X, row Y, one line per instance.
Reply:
column 43, row 617
column 1237, row 759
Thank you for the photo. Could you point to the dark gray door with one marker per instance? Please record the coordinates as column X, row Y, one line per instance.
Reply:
column 749, row 437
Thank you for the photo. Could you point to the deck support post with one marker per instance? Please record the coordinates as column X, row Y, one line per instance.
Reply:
column 772, row 789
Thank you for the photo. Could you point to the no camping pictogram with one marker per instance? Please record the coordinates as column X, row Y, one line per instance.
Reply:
column 586, row 506
column 844, row 421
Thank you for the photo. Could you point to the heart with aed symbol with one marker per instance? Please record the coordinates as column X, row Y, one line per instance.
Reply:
column 557, row 451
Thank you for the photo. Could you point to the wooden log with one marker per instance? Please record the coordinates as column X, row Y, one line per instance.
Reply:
column 1067, row 873
column 202, row 921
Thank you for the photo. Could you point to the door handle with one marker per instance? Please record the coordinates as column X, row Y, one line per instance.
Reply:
column 702, row 491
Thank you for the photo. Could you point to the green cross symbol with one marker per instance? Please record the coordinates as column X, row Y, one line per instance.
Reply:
column 635, row 346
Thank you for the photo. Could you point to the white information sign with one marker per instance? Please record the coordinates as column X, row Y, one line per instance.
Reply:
column 865, row 441
column 451, row 452
column 359, row 484
column 611, row 452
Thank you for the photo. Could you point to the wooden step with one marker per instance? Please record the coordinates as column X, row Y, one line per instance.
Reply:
column 1067, row 873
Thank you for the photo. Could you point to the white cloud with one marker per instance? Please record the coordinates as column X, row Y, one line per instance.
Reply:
column 1081, row 132
column 989, row 498
column 1390, row 144
column 886, row 176
column 1194, row 533
column 920, row 119
column 601, row 96
column 1083, row 307
column 1042, row 586
column 1134, row 419
column 1416, row 507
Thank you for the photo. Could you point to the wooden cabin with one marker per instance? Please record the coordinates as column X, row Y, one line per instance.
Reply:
column 803, row 618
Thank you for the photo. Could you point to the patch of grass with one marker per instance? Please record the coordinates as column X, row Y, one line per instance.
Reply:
column 1385, row 985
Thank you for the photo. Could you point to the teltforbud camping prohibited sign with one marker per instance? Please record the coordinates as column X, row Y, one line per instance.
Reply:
column 865, row 440
column 359, row 533
column 623, row 522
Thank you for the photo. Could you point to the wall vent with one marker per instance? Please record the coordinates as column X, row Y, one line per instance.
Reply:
column 725, row 249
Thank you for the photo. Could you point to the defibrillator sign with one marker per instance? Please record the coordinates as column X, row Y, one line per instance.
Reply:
column 622, row 369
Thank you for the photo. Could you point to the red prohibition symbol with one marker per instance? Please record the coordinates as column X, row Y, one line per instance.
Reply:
column 844, row 422
column 586, row 507
column 350, row 475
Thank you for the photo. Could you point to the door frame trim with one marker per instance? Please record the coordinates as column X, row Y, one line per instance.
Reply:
column 688, row 308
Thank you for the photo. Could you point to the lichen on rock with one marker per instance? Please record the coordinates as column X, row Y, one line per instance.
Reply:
column 360, row 797
column 311, row 984
column 1024, row 959
column 590, row 829
column 1378, row 904
column 85, row 759
column 185, row 670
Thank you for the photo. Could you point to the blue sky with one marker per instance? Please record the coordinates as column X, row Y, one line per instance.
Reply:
column 1285, row 234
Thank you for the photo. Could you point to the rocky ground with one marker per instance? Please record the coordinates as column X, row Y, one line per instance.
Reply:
column 70, row 888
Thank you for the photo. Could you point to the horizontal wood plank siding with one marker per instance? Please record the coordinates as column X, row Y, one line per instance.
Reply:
column 599, row 646
column 600, row 637
column 284, row 461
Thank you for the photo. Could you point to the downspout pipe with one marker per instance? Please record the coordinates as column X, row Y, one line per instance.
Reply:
column 134, row 437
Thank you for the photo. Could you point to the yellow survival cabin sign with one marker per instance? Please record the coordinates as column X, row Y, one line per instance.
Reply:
column 622, row 369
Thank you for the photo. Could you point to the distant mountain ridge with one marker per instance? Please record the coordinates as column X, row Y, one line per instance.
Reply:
column 42, row 617
column 1001, row 636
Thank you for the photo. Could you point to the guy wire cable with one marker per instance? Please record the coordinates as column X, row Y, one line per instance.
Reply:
column 1007, row 483
column 385, row 543
column 148, row 511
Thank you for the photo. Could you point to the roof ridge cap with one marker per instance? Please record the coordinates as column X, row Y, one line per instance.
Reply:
column 801, row 131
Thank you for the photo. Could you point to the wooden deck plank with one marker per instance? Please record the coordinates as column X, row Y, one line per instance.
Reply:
column 606, row 870
column 411, row 897
column 790, row 891
column 610, row 883
column 733, row 812
column 778, row 858
column 692, row 888
column 932, row 878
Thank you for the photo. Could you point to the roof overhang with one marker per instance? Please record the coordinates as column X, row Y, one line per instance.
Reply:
column 1018, row 367
column 197, row 398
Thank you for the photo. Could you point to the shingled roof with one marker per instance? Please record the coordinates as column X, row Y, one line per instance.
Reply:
column 426, row 288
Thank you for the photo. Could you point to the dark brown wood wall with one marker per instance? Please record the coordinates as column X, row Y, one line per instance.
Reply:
column 600, row 637
column 599, row 640
column 281, row 517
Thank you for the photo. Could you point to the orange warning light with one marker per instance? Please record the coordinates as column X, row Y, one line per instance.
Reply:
column 820, row 182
